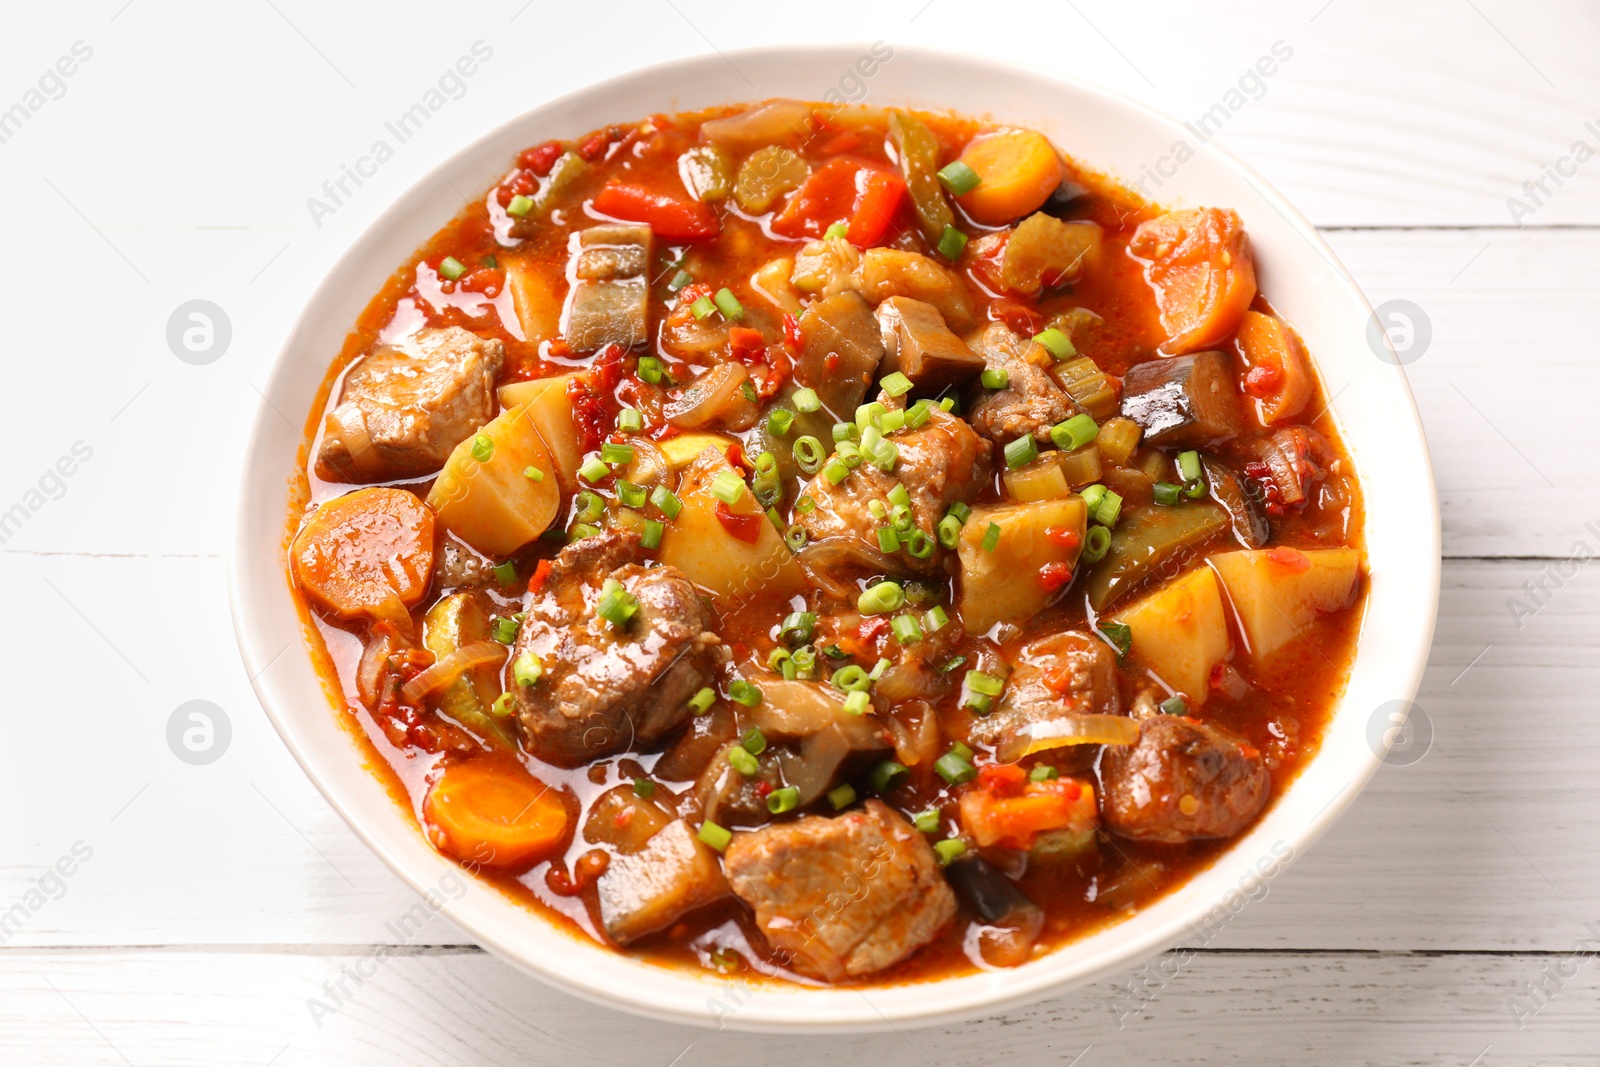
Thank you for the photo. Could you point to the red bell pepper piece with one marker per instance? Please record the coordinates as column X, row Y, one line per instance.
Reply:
column 827, row 196
column 673, row 219
column 875, row 208
column 746, row 528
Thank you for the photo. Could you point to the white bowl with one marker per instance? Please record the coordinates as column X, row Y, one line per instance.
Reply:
column 1117, row 136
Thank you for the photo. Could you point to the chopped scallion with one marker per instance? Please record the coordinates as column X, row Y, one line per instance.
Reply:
column 959, row 178
column 729, row 305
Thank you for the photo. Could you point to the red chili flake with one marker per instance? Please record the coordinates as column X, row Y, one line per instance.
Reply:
column 791, row 332
column 779, row 369
column 607, row 369
column 1054, row 576
column 540, row 574
column 589, row 412
column 541, row 159
column 593, row 147
column 746, row 528
column 746, row 345
column 735, row 456
column 1062, row 537
column 1290, row 559
column 1002, row 779
column 1262, row 381
column 763, row 789
column 830, row 362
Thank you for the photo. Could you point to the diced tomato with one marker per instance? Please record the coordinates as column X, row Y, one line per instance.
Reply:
column 486, row 280
column 607, row 369
column 875, row 208
column 1016, row 821
column 541, row 574
column 828, row 196
column 1290, row 559
column 746, row 528
column 791, row 332
column 746, row 345
column 592, row 148
column 1002, row 779
column 588, row 412
column 1261, row 382
column 669, row 217
column 1062, row 536
column 846, row 141
column 831, row 362
column 541, row 159
column 1019, row 318
column 872, row 628
column 735, row 456
column 1054, row 576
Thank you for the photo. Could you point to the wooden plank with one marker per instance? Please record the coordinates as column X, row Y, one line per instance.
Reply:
column 175, row 1007
column 1471, row 848
column 1502, row 387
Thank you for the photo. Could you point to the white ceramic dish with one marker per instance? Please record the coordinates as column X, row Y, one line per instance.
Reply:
column 1297, row 271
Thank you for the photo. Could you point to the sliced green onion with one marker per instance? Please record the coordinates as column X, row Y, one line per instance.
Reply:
column 851, row 679
column 742, row 692
column 616, row 605
column 1109, row 509
column 927, row 822
column 1195, row 490
column 701, row 702
column 629, row 420
column 651, row 537
column 935, row 619
column 881, row 599
column 901, row 518
column 1043, row 773
column 727, row 486
column 879, row 509
column 527, row 669
column 581, row 530
column 590, row 505
column 1096, row 543
column 679, row 280
column 1167, row 494
column 846, row 431
column 987, row 684
column 888, row 541
column 907, row 630
column 1189, row 466
column 960, row 510
column 519, row 206
column 837, row 230
column 797, row 628
column 836, row 471
column 995, row 378
column 804, row 506
column 1075, row 432
column 886, row 455
column 633, row 496
column 451, row 267
column 1175, row 705
column 777, row 658
column 703, row 308
column 1059, row 344
column 962, row 750
column 1119, row 634
column 953, row 769
column 918, row 413
column 951, row 664
column 920, row 545
column 952, row 242
column 804, row 657
column 842, row 796
column 505, row 573
column 729, row 305
column 848, row 453
column 533, row 474
column 948, row 404
column 1021, row 452
column 501, row 708
column 666, row 501
column 980, row 704
column 780, row 420
column 878, row 668
column 991, row 537
column 1093, row 495
column 650, row 370
column 719, row 838
column 643, row 788
column 857, row 703
column 868, row 414
column 899, row 495
column 505, row 630
column 871, row 438
column 895, row 384
column 885, row 776
column 782, row 800
column 892, row 420
column 949, row 531
column 959, row 178
column 795, row 537
column 482, row 448
column 594, row 470
column 754, row 741
column 807, row 400
column 949, row 850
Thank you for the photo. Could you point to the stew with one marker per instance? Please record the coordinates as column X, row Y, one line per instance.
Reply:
column 830, row 544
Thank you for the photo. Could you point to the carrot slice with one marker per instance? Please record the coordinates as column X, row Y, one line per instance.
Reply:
column 1017, row 171
column 493, row 815
column 369, row 552
column 1278, row 378
column 1199, row 264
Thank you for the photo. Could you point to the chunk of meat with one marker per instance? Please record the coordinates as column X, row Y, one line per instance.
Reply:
column 1031, row 402
column 645, row 891
column 405, row 407
column 1070, row 673
column 918, row 344
column 940, row 463
column 844, row 896
column 605, row 689
column 1182, row 781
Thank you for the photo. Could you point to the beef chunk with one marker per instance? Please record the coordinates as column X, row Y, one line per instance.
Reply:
column 404, row 407
column 940, row 463
column 606, row 689
column 1070, row 673
column 1031, row 402
column 1182, row 781
column 842, row 896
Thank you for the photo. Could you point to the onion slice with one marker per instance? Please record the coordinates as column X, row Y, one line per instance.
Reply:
column 1066, row 730
column 451, row 667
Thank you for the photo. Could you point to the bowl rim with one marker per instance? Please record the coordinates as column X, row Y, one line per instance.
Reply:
column 607, row 977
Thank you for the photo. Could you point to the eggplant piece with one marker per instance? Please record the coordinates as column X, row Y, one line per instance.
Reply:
column 842, row 325
column 918, row 344
column 610, row 301
column 645, row 891
column 699, row 743
column 1067, row 200
column 1154, row 539
column 1184, row 401
column 987, row 893
column 1241, row 499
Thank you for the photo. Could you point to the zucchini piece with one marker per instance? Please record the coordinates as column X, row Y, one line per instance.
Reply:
column 919, row 163
column 1152, row 539
column 452, row 623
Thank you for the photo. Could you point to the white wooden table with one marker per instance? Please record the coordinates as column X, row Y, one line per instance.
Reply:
column 1446, row 920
